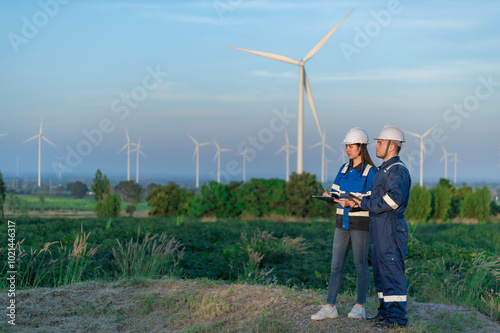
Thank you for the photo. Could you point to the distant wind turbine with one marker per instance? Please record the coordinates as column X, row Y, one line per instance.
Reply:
column 323, row 145
column 60, row 166
column 138, row 151
column 3, row 134
column 303, row 84
column 127, row 145
column 245, row 156
column 40, row 137
column 217, row 155
column 445, row 158
column 197, row 154
column 408, row 156
column 287, row 148
column 422, row 151
column 343, row 154
column 456, row 160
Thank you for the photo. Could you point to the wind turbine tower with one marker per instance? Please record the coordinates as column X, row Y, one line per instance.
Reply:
column 245, row 156
column 456, row 160
column 445, row 158
column 287, row 148
column 303, row 85
column 138, row 151
column 422, row 151
column 40, row 137
column 323, row 157
column 127, row 145
column 197, row 154
column 217, row 155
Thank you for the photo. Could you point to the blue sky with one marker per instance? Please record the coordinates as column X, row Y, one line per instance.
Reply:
column 162, row 69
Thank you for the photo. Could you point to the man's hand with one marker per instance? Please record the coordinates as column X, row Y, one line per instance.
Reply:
column 344, row 202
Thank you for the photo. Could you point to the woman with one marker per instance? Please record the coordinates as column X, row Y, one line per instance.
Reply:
column 351, row 225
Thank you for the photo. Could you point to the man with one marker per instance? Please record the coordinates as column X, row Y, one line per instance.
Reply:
column 388, row 229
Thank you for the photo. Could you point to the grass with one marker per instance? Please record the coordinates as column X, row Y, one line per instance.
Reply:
column 175, row 305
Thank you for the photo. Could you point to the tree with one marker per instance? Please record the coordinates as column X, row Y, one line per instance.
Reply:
column 299, row 192
column 109, row 206
column 42, row 202
column 260, row 197
column 2, row 195
column 442, row 199
column 77, row 189
column 100, row 186
column 129, row 191
column 13, row 203
column 216, row 200
column 476, row 204
column 169, row 200
column 419, row 205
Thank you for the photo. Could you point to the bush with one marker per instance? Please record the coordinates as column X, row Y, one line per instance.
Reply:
column 109, row 207
column 419, row 205
column 299, row 192
column 169, row 200
column 216, row 200
column 476, row 204
column 442, row 199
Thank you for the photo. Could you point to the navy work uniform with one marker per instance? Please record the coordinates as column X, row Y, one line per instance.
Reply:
column 389, row 237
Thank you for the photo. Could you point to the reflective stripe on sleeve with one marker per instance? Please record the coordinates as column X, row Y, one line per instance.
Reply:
column 380, row 295
column 399, row 298
column 335, row 187
column 361, row 213
column 340, row 211
column 390, row 202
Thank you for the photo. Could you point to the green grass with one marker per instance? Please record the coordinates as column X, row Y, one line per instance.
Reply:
column 85, row 204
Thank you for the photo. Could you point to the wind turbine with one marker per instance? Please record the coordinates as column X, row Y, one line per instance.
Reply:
column 197, row 154
column 138, row 150
column 245, row 156
column 422, row 151
column 408, row 156
column 303, row 84
column 287, row 149
column 127, row 145
column 3, row 134
column 217, row 155
column 456, row 160
column 40, row 137
column 445, row 158
column 323, row 146
column 60, row 166
column 343, row 154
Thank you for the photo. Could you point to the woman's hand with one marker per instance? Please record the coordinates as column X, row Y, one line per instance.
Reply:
column 326, row 194
column 343, row 202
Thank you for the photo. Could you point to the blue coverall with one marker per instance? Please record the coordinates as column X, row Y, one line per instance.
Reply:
column 389, row 237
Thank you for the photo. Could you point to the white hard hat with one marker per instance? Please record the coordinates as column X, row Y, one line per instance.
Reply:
column 390, row 132
column 356, row 135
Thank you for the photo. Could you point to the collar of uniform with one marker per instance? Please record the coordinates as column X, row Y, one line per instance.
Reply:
column 393, row 160
column 357, row 168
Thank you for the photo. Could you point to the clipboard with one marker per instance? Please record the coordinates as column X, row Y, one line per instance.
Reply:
column 327, row 199
column 349, row 196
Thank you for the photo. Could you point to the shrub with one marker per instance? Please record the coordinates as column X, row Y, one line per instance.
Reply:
column 419, row 205
column 109, row 207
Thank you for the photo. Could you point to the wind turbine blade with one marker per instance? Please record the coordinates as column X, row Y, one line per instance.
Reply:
column 123, row 148
column 216, row 154
column 36, row 136
column 128, row 138
column 327, row 146
column 41, row 122
column 225, row 149
column 195, row 151
column 215, row 143
column 4, row 134
column 315, row 145
column 269, row 55
column 444, row 150
column 279, row 151
column 429, row 130
column 323, row 41
column 205, row 144
column 140, row 152
column 417, row 135
column 48, row 140
column 286, row 138
column 192, row 139
column 311, row 102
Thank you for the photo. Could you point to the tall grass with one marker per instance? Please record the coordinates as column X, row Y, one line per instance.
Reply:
column 54, row 264
column 151, row 257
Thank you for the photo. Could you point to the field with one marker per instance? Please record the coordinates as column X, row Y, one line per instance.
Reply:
column 447, row 263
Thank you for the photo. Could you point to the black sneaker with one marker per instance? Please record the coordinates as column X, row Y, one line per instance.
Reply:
column 386, row 323
column 377, row 318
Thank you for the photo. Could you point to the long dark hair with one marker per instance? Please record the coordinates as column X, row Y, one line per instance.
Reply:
column 365, row 156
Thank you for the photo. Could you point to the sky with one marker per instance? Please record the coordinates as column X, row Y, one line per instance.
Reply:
column 159, row 70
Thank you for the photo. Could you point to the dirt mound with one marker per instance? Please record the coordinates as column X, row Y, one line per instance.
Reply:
column 208, row 306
